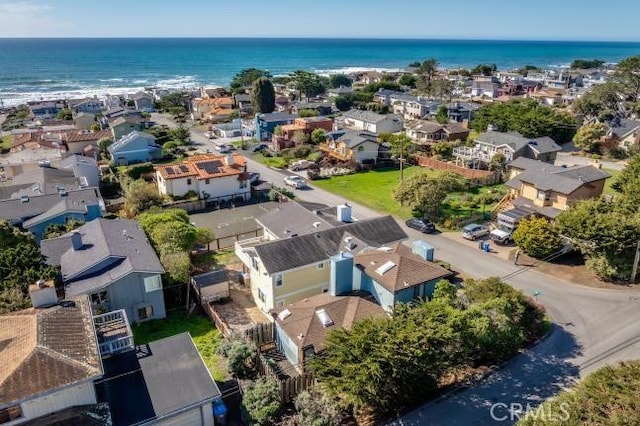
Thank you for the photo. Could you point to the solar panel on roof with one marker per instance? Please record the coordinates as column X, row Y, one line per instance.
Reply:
column 169, row 171
column 184, row 168
column 210, row 166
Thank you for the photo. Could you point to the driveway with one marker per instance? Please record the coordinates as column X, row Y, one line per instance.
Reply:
column 593, row 327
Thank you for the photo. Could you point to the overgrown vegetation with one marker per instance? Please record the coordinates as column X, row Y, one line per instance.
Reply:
column 537, row 237
column 410, row 354
column 261, row 400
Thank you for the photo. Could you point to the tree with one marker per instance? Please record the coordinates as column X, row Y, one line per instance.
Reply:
column 204, row 236
column 316, row 408
column 498, row 163
column 246, row 77
column 605, row 397
column 307, row 83
column 408, row 80
column 241, row 357
column 172, row 100
column 308, row 113
column 585, row 64
column 262, row 401
column 604, row 102
column 65, row 114
column 339, row 80
column 21, row 264
column 56, row 230
column 170, row 147
column 627, row 183
column 263, row 96
column 524, row 71
column 140, row 196
column 176, row 266
column 442, row 116
column 180, row 134
column 628, row 75
column 443, row 149
column 300, row 137
column 444, row 290
column 318, row 136
column 443, row 88
column 344, row 102
column 171, row 237
column 425, row 191
column 426, row 72
column 485, row 69
column 104, row 143
column 537, row 237
column 401, row 148
column 95, row 127
column 589, row 136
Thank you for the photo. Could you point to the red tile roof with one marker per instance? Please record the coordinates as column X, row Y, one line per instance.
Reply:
column 205, row 166
column 84, row 136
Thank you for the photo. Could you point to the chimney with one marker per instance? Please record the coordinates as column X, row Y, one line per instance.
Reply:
column 228, row 159
column 76, row 240
column 341, row 276
column 344, row 213
column 43, row 294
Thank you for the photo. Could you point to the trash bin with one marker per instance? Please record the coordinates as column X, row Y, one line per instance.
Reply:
column 481, row 245
column 220, row 412
column 487, row 247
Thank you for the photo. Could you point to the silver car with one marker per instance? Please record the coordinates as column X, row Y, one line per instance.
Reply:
column 473, row 231
column 295, row 181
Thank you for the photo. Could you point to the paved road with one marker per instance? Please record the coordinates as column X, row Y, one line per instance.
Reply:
column 592, row 327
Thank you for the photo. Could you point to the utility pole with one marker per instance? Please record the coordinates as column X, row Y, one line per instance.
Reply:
column 634, row 271
column 401, row 160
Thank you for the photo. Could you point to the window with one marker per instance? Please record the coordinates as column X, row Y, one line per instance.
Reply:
column 145, row 312
column 543, row 195
column 243, row 184
column 321, row 265
column 262, row 296
column 206, row 181
column 10, row 413
column 278, row 280
column 152, row 283
column 99, row 298
column 188, row 181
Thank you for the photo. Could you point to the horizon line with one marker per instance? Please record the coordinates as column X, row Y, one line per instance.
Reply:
column 399, row 38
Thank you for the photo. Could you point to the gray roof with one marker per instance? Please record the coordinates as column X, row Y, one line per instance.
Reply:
column 292, row 218
column 354, row 138
column 242, row 97
column 517, row 142
column 132, row 137
column 545, row 182
column 45, row 180
column 546, row 177
column 157, row 379
column 367, row 116
column 277, row 116
column 525, row 163
column 623, row 127
column 282, row 255
column 64, row 206
column 75, row 158
column 120, row 246
column 16, row 210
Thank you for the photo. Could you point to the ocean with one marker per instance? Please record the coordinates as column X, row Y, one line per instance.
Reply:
column 33, row 69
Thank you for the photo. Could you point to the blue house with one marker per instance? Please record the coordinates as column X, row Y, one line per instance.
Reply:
column 368, row 284
column 266, row 123
column 136, row 147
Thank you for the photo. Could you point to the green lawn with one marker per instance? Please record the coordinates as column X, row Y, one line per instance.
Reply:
column 6, row 142
column 464, row 203
column 205, row 335
column 372, row 189
column 608, row 190
column 213, row 259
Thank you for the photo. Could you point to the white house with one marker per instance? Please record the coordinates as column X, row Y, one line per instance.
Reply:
column 211, row 176
column 372, row 122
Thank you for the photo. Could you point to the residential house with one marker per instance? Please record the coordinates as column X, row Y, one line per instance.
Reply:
column 283, row 103
column 339, row 91
column 125, row 124
column 35, row 212
column 624, row 132
column 409, row 106
column 550, row 96
column 83, row 168
column 135, row 147
column 164, row 382
column 213, row 92
column 426, row 132
column 228, row 130
column 306, row 125
column 368, row 77
column 512, row 145
column 302, row 327
column 113, row 262
column 112, row 101
column 352, row 147
column 460, row 112
column 143, row 102
column 484, row 87
column 90, row 105
column 370, row 121
column 265, row 123
column 45, row 109
column 37, row 140
column 293, row 268
column 49, row 359
column 320, row 107
column 84, row 120
column 211, row 176
column 83, row 142
column 213, row 109
column 33, row 180
column 549, row 190
column 242, row 102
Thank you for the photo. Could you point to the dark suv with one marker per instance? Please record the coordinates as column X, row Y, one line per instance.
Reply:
column 422, row 225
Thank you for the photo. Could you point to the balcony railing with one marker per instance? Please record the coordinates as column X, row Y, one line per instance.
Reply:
column 113, row 332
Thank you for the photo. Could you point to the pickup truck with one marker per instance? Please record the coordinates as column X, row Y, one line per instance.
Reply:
column 501, row 237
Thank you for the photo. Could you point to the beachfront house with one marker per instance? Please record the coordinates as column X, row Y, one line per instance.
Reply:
column 84, row 120
column 89, row 105
column 352, row 147
column 113, row 263
column 370, row 121
column 135, row 147
column 45, row 109
column 211, row 176
column 143, row 101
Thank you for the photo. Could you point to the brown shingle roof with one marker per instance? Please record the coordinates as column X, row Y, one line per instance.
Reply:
column 44, row 349
column 83, row 136
column 409, row 270
column 304, row 327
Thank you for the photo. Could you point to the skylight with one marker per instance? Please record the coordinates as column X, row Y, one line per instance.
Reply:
column 324, row 318
column 284, row 315
column 386, row 267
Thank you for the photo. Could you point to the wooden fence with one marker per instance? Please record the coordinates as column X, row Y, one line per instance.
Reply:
column 261, row 334
column 218, row 320
column 474, row 177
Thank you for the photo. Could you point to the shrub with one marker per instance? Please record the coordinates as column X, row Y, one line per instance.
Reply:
column 602, row 267
column 241, row 357
column 262, row 401
column 537, row 238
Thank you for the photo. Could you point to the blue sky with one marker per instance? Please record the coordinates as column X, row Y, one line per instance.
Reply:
column 475, row 19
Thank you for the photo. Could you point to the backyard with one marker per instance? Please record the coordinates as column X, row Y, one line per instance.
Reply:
column 374, row 189
column 608, row 190
column 205, row 336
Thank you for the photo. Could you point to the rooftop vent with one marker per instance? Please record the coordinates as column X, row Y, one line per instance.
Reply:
column 284, row 315
column 24, row 199
column 386, row 267
column 324, row 318
column 316, row 224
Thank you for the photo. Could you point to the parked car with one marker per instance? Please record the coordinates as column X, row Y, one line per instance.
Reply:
column 259, row 147
column 208, row 135
column 295, row 181
column 501, row 237
column 254, row 177
column 422, row 225
column 222, row 149
column 301, row 165
column 473, row 231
